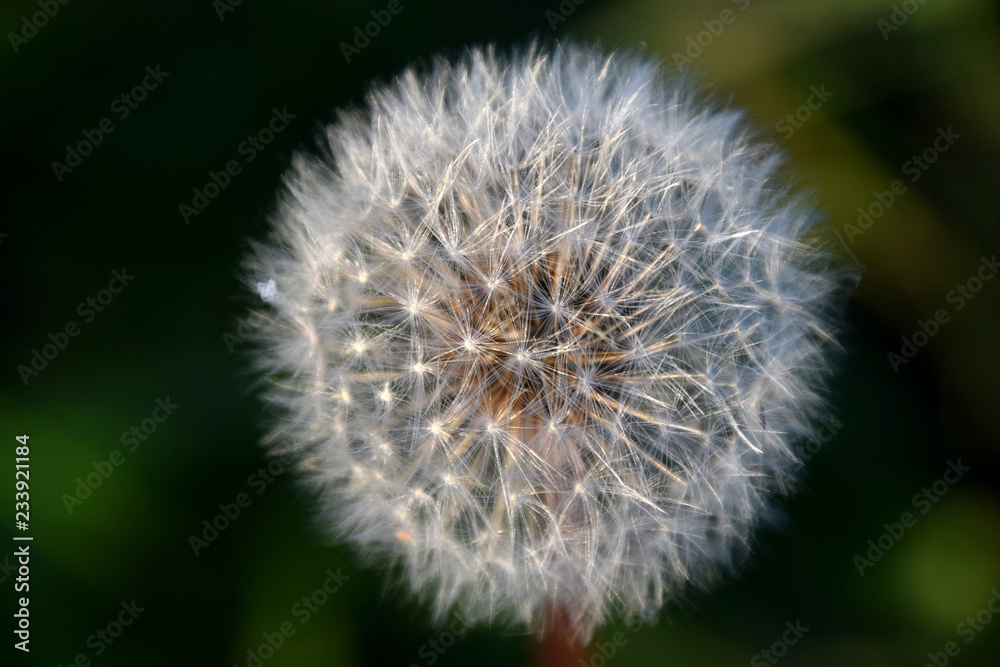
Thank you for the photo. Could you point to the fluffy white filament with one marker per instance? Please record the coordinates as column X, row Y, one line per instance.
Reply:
column 543, row 331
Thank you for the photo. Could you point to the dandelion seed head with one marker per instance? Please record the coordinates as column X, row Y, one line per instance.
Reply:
column 544, row 330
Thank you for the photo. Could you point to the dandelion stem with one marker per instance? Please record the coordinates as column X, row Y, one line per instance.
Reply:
column 560, row 645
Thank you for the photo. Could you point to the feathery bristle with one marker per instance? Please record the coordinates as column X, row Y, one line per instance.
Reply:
column 544, row 331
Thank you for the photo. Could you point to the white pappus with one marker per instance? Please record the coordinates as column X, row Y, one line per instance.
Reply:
column 543, row 331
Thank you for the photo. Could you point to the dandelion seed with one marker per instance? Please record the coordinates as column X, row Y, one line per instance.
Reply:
column 627, row 327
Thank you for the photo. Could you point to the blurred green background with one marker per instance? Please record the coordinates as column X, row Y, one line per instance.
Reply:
column 852, row 89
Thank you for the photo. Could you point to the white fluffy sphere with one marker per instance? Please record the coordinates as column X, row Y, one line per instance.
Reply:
column 543, row 330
